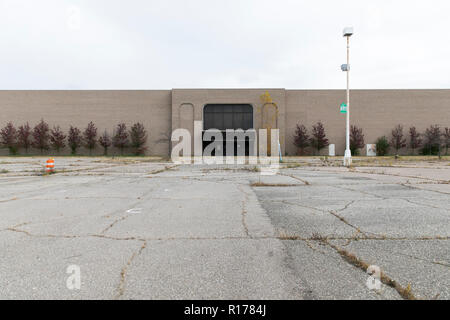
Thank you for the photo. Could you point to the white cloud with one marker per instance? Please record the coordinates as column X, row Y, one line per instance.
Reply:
column 216, row 43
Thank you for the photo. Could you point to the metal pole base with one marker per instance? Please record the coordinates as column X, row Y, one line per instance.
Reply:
column 348, row 158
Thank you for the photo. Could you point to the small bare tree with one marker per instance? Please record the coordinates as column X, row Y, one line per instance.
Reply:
column 356, row 139
column 24, row 137
column 120, row 138
column 8, row 136
column 74, row 139
column 446, row 136
column 138, row 136
column 90, row 137
column 397, row 140
column 301, row 139
column 105, row 142
column 318, row 140
column 57, row 139
column 41, row 136
column 414, row 139
column 432, row 141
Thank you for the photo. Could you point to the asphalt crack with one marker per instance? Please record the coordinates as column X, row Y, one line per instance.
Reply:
column 307, row 183
column 403, row 176
column 422, row 259
column 244, row 210
column 404, row 292
column 123, row 273
column 422, row 189
column 362, row 192
column 425, row 205
column 12, row 229
column 128, row 212
column 166, row 168
column 284, row 237
column 7, row 200
column 335, row 214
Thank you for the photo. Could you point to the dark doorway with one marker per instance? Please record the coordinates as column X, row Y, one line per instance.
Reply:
column 228, row 116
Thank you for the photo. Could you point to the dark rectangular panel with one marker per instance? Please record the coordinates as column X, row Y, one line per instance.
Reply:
column 218, row 121
column 248, row 121
column 238, row 120
column 228, row 120
column 228, row 116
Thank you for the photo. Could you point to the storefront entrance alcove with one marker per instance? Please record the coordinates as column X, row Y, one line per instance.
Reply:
column 228, row 116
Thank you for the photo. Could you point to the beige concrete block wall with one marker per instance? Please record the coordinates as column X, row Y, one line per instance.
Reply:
column 376, row 111
column 105, row 108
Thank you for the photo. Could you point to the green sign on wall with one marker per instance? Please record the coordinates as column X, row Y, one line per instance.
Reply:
column 344, row 108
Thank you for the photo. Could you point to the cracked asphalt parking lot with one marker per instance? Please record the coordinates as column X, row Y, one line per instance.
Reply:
column 151, row 230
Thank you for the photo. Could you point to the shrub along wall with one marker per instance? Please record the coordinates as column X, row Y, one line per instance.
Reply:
column 433, row 141
column 43, row 139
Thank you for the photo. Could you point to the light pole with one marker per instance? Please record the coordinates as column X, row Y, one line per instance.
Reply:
column 348, row 32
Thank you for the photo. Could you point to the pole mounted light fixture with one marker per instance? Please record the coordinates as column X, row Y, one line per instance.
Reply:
column 347, row 33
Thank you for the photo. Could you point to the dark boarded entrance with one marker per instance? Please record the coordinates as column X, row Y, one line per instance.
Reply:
column 228, row 116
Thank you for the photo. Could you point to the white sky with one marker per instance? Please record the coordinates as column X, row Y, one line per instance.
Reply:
column 133, row 44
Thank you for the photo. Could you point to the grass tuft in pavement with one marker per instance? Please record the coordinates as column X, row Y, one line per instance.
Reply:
column 263, row 184
column 405, row 293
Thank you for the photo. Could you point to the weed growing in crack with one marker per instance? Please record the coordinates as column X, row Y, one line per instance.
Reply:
column 318, row 237
column 405, row 292
column 263, row 184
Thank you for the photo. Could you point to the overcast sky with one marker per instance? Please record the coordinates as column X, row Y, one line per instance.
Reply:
column 133, row 44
